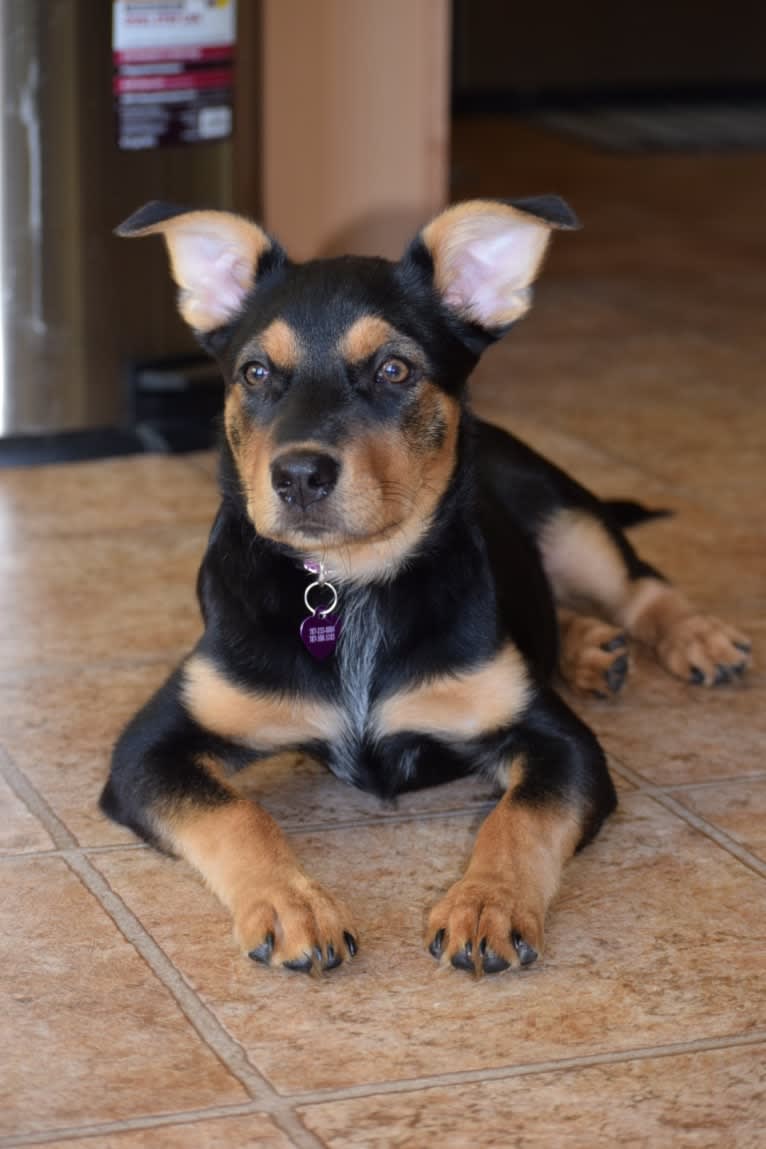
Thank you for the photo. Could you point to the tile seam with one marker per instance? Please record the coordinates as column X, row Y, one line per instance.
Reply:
column 292, row 1102
column 720, row 837
column 29, row 795
column 502, row 1073
column 665, row 798
column 210, row 1030
column 207, row 1026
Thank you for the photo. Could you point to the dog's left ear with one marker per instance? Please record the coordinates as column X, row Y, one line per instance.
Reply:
column 215, row 257
column 485, row 254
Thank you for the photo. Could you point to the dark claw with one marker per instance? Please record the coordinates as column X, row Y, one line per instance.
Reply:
column 463, row 959
column 333, row 959
column 696, row 677
column 437, row 945
column 527, row 953
column 615, row 675
column 301, row 965
column 351, row 943
column 263, row 952
column 722, row 674
column 739, row 669
column 745, row 647
column 491, row 962
column 614, row 643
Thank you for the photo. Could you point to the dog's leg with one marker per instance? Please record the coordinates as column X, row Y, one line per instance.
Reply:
column 593, row 655
column 558, row 792
column 162, row 786
column 592, row 567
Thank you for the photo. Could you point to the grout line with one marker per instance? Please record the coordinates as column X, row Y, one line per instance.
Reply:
column 376, row 820
column 720, row 837
column 646, row 786
column 476, row 1076
column 62, row 837
column 736, row 779
column 292, row 830
column 289, row 1121
column 203, row 1020
column 663, row 796
column 65, row 852
column 127, row 1124
column 627, row 772
column 287, row 1118
column 229, row 1052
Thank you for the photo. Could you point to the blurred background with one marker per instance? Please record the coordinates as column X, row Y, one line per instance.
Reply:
column 342, row 125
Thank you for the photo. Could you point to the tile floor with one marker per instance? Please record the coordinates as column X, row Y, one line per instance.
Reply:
column 128, row 1017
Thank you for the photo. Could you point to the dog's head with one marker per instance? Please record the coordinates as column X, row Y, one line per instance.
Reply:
column 345, row 376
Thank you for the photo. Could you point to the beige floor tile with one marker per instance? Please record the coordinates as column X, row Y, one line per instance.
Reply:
column 656, row 930
column 99, row 597
column 94, row 1036
column 107, row 495
column 739, row 808
column 251, row 1132
column 655, row 400
column 60, row 730
column 673, row 733
column 20, row 832
column 692, row 1101
column 718, row 562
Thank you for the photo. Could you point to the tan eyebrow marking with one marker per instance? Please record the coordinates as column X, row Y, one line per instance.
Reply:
column 363, row 338
column 281, row 344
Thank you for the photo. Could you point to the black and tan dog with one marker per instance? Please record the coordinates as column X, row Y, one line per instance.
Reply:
column 390, row 583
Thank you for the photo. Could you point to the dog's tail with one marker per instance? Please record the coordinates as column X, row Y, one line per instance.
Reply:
column 628, row 513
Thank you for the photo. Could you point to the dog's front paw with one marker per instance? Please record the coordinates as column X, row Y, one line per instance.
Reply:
column 293, row 922
column 484, row 925
column 703, row 650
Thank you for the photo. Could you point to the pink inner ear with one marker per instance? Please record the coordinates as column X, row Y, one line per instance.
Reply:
column 488, row 264
column 215, row 275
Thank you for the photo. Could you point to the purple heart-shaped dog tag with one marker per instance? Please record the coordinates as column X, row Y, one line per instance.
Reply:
column 320, row 634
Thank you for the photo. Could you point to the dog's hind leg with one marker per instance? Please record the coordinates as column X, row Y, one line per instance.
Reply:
column 594, row 569
column 162, row 786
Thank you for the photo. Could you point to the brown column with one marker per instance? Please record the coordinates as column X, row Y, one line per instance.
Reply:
column 355, row 122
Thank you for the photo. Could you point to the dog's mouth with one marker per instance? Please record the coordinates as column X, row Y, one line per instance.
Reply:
column 332, row 532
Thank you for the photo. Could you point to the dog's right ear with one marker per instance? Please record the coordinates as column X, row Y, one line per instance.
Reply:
column 215, row 258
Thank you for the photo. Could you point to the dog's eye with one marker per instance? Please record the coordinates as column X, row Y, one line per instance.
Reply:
column 255, row 373
column 393, row 371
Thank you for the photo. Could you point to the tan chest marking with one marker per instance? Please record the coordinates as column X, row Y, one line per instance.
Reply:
column 461, row 706
column 262, row 720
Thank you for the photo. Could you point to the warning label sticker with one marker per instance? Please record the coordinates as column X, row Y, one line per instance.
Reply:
column 173, row 71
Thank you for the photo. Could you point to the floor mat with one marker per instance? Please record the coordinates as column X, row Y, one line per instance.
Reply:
column 664, row 127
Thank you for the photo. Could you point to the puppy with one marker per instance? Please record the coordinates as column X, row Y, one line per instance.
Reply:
column 390, row 583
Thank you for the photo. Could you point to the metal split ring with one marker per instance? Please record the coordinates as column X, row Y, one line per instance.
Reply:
column 325, row 610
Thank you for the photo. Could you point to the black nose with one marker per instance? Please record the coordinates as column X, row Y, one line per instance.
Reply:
column 303, row 477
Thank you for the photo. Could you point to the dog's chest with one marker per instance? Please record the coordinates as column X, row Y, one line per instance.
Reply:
column 360, row 649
